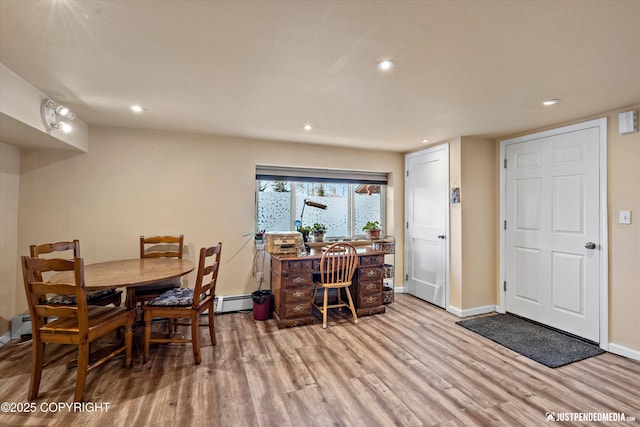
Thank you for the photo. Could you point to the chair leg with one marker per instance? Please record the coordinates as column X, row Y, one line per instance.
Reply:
column 351, row 306
column 195, row 337
column 212, row 326
column 81, row 376
column 128, row 342
column 147, row 335
column 37, row 360
column 325, row 297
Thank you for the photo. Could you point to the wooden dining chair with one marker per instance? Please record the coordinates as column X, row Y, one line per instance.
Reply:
column 77, row 325
column 157, row 247
column 187, row 303
column 337, row 266
column 96, row 297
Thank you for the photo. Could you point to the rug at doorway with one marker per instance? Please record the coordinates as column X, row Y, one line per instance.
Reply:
column 545, row 345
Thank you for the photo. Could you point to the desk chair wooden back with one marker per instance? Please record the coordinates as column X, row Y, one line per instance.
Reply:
column 187, row 303
column 77, row 324
column 101, row 297
column 337, row 267
column 157, row 247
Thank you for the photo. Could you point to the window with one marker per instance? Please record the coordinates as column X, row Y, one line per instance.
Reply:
column 351, row 198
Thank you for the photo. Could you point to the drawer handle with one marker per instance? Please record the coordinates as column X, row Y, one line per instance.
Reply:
column 371, row 299
column 298, row 308
column 371, row 286
column 371, row 273
column 298, row 280
column 298, row 294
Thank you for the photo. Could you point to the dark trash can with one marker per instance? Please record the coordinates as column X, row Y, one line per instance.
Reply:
column 262, row 304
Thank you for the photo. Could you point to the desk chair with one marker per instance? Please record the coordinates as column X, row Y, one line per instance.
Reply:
column 157, row 247
column 77, row 325
column 337, row 266
column 187, row 303
column 99, row 297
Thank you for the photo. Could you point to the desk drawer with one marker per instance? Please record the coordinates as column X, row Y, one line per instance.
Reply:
column 370, row 274
column 297, row 295
column 371, row 260
column 371, row 287
column 295, row 266
column 296, row 310
column 365, row 300
column 296, row 279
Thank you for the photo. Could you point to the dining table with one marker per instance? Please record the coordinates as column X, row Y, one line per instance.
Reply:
column 127, row 273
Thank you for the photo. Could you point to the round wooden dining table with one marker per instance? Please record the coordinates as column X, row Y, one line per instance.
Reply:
column 127, row 273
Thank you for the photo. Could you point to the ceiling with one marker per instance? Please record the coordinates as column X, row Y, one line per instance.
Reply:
column 264, row 69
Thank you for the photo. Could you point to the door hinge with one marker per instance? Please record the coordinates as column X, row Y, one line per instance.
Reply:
column 407, row 225
column 505, row 224
column 407, row 173
column 505, row 163
column 406, row 277
column 504, row 286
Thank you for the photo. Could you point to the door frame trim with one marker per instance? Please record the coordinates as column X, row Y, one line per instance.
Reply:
column 447, row 256
column 601, row 124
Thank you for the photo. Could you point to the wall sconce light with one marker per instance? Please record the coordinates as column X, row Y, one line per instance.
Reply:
column 56, row 116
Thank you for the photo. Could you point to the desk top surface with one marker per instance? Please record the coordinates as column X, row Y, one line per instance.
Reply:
column 316, row 253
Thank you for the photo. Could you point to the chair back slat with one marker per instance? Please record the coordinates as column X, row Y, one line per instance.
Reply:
column 338, row 263
column 37, row 290
column 162, row 247
column 46, row 248
column 208, row 267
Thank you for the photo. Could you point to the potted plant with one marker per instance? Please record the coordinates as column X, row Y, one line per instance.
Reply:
column 318, row 231
column 305, row 232
column 372, row 230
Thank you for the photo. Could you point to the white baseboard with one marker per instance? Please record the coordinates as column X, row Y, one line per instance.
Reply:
column 624, row 351
column 399, row 290
column 226, row 304
column 5, row 338
column 471, row 311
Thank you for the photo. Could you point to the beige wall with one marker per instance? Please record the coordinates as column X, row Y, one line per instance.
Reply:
column 134, row 182
column 478, row 200
column 9, row 187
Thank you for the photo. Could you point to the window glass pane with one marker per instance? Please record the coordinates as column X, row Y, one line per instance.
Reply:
column 368, row 203
column 334, row 196
column 274, row 205
column 349, row 206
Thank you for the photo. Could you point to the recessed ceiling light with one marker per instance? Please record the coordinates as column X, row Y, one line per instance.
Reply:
column 137, row 108
column 550, row 102
column 424, row 140
column 307, row 127
column 385, row 65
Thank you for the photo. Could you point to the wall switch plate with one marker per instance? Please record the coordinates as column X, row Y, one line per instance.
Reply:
column 625, row 217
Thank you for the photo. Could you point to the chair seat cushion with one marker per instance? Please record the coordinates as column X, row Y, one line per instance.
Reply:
column 174, row 297
column 92, row 296
column 158, row 287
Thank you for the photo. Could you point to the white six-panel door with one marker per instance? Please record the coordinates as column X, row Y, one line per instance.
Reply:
column 552, row 231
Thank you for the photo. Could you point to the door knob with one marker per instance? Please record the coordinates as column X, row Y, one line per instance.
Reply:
column 590, row 245
column 440, row 236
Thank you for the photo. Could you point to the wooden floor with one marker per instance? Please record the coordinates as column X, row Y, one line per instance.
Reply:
column 411, row 366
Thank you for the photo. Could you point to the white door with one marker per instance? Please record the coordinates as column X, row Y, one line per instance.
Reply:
column 552, row 230
column 427, row 221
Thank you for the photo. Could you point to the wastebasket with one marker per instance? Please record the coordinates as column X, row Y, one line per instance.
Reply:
column 262, row 304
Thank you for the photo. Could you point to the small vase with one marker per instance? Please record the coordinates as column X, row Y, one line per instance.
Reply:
column 318, row 237
column 372, row 234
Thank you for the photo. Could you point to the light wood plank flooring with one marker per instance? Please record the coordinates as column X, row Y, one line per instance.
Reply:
column 411, row 366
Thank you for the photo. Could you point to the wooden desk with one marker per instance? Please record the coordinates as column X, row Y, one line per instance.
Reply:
column 127, row 273
column 292, row 283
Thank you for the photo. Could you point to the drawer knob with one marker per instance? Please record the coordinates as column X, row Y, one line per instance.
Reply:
column 298, row 280
column 371, row 286
column 298, row 308
column 371, row 273
column 298, row 294
column 371, row 299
